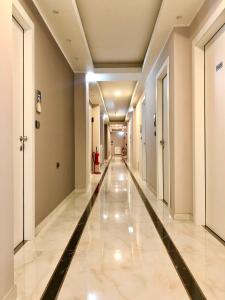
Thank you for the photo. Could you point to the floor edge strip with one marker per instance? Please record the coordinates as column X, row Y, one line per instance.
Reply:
column 56, row 281
column 188, row 280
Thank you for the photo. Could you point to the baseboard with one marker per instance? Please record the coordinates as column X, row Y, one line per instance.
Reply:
column 12, row 294
column 182, row 217
column 151, row 189
column 81, row 190
column 53, row 214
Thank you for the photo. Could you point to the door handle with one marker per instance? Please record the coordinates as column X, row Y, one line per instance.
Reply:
column 23, row 139
column 162, row 143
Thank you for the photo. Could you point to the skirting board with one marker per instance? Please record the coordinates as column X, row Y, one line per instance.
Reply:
column 82, row 190
column 182, row 217
column 12, row 294
column 152, row 190
column 53, row 214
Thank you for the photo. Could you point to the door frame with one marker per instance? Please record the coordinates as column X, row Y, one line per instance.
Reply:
column 207, row 31
column 143, row 102
column 159, row 129
column 26, row 23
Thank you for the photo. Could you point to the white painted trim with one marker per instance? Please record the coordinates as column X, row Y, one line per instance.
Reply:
column 54, row 214
column 159, row 98
column 77, row 15
column 102, row 99
column 182, row 217
column 132, row 103
column 53, row 35
column 143, row 144
column 29, row 104
column 196, row 13
column 213, row 23
column 124, row 70
column 12, row 294
column 82, row 190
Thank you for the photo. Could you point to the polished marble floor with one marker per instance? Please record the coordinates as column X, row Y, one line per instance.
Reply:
column 120, row 254
column 35, row 262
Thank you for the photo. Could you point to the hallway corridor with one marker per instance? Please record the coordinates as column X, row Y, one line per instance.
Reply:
column 112, row 184
column 120, row 254
column 123, row 252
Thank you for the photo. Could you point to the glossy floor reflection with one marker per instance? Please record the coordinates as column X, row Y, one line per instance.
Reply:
column 35, row 262
column 120, row 254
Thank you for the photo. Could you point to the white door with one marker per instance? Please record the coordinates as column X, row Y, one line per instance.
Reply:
column 215, row 133
column 143, row 141
column 18, row 131
column 165, row 143
column 90, row 139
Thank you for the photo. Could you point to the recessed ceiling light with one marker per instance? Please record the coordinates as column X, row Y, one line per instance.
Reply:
column 56, row 12
column 118, row 93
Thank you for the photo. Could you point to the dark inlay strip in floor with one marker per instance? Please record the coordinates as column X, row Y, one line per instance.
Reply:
column 55, row 283
column 19, row 246
column 215, row 235
column 186, row 277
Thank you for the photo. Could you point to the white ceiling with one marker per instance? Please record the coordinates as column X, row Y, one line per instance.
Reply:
column 115, row 34
column 117, row 96
column 96, row 98
column 66, row 25
column 166, row 21
column 118, row 31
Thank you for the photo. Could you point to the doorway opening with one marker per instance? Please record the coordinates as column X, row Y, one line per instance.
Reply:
column 23, row 125
column 162, row 134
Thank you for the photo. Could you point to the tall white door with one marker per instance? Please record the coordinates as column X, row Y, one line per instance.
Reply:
column 215, row 133
column 165, row 144
column 18, row 131
column 143, row 141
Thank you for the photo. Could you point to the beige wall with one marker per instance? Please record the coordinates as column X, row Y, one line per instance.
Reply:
column 55, row 139
column 108, row 143
column 178, row 49
column 82, row 132
column 182, row 116
column 134, row 148
column 150, row 102
column 96, row 127
column 102, row 136
column 137, row 136
column 6, row 187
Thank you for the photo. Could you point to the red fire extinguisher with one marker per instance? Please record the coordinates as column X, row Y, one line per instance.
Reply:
column 95, row 157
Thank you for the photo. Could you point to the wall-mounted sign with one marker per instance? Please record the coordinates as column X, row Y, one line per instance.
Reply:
column 38, row 101
column 154, row 119
column 219, row 66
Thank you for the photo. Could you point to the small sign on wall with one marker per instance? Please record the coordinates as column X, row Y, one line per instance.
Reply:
column 219, row 66
column 38, row 101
